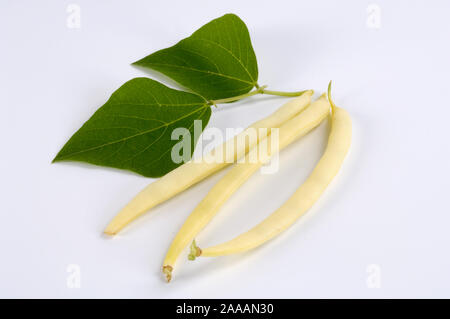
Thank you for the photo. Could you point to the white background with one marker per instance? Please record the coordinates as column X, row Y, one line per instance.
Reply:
column 388, row 207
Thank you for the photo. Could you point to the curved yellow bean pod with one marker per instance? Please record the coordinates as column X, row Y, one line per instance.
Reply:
column 338, row 145
column 209, row 206
column 193, row 172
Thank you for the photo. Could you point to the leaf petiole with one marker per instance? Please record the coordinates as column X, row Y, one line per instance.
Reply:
column 279, row 93
column 238, row 97
column 259, row 90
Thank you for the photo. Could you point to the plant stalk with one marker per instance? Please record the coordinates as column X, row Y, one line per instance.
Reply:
column 279, row 93
column 259, row 90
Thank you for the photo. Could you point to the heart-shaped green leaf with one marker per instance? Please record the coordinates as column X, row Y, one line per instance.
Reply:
column 132, row 130
column 217, row 61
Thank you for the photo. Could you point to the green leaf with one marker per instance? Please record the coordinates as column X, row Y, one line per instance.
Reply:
column 217, row 61
column 133, row 129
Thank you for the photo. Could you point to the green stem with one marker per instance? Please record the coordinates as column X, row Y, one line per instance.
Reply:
column 333, row 106
column 259, row 90
column 239, row 97
column 279, row 93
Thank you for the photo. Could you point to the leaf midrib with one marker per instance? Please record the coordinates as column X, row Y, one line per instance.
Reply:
column 165, row 152
column 232, row 54
column 204, row 106
column 201, row 71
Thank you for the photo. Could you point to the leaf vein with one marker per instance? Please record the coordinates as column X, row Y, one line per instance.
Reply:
column 132, row 136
